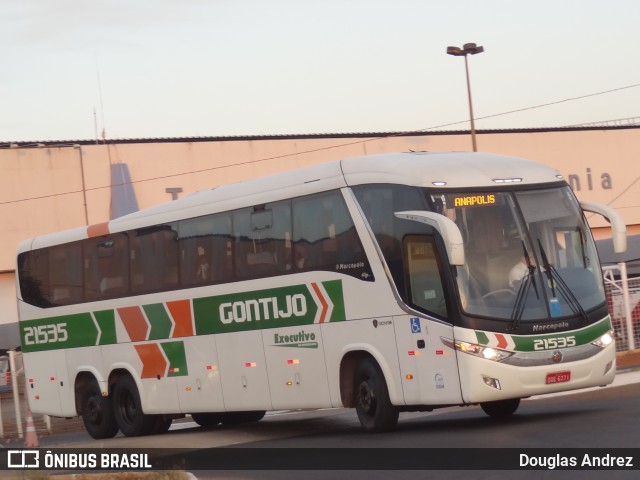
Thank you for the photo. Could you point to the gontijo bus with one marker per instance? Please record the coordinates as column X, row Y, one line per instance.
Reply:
column 388, row 283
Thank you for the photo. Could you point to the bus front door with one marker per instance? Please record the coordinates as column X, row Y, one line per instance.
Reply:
column 428, row 368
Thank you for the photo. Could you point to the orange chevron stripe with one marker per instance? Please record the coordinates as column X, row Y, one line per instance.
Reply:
column 325, row 305
column 181, row 312
column 135, row 323
column 502, row 341
column 98, row 230
column 153, row 362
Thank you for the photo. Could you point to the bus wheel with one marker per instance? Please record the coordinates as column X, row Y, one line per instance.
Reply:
column 206, row 419
column 127, row 409
column 500, row 408
column 235, row 418
column 374, row 408
column 97, row 413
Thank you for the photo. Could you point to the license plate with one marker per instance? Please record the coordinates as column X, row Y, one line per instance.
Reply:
column 558, row 377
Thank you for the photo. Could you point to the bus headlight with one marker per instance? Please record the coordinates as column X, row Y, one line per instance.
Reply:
column 605, row 340
column 488, row 353
column 493, row 354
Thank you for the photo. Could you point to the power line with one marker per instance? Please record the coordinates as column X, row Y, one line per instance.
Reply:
column 580, row 97
column 330, row 147
column 624, row 191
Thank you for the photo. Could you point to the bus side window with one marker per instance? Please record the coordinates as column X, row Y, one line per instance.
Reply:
column 378, row 203
column 324, row 236
column 154, row 259
column 106, row 267
column 246, row 249
column 308, row 232
column 222, row 249
column 65, row 274
column 205, row 246
column 263, row 240
column 33, row 268
column 281, row 235
column 52, row 276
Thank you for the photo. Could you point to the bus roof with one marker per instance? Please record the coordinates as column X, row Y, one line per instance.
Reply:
column 455, row 170
column 449, row 170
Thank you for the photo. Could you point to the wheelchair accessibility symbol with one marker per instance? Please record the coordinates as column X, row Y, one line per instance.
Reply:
column 415, row 325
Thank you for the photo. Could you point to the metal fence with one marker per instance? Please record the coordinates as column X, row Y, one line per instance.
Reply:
column 623, row 296
column 14, row 408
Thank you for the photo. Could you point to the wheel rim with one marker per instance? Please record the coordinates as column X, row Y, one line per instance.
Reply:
column 127, row 408
column 367, row 397
column 94, row 409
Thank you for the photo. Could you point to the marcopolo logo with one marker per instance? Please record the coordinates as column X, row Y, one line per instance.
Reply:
column 304, row 304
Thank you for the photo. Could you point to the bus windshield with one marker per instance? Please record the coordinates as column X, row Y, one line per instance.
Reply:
column 529, row 254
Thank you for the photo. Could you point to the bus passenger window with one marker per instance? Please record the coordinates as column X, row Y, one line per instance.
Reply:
column 52, row 276
column 106, row 267
column 263, row 240
column 203, row 267
column 154, row 259
column 65, row 274
column 205, row 250
column 33, row 269
column 325, row 238
column 378, row 203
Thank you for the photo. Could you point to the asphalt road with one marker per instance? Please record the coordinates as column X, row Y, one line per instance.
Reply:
column 602, row 418
column 598, row 417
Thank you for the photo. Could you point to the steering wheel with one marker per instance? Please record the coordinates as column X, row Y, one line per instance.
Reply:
column 501, row 291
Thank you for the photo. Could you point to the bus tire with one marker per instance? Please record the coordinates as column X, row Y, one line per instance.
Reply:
column 97, row 412
column 373, row 406
column 206, row 419
column 500, row 408
column 127, row 409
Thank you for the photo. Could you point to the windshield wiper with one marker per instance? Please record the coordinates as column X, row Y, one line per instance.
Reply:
column 554, row 277
column 585, row 259
column 528, row 281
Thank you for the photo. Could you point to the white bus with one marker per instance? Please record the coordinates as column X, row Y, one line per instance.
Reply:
column 388, row 283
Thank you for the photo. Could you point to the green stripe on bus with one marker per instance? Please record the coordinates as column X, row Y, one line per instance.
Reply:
column 106, row 320
column 532, row 343
column 582, row 336
column 302, row 304
column 177, row 357
column 334, row 290
column 482, row 338
column 160, row 321
column 269, row 308
column 68, row 331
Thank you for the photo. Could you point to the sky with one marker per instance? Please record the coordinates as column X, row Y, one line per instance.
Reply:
column 70, row 69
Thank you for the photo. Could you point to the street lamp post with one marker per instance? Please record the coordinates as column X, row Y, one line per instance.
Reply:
column 468, row 49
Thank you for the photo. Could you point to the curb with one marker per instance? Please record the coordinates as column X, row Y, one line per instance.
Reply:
column 628, row 359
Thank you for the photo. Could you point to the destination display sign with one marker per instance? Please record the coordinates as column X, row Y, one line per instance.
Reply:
column 473, row 200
